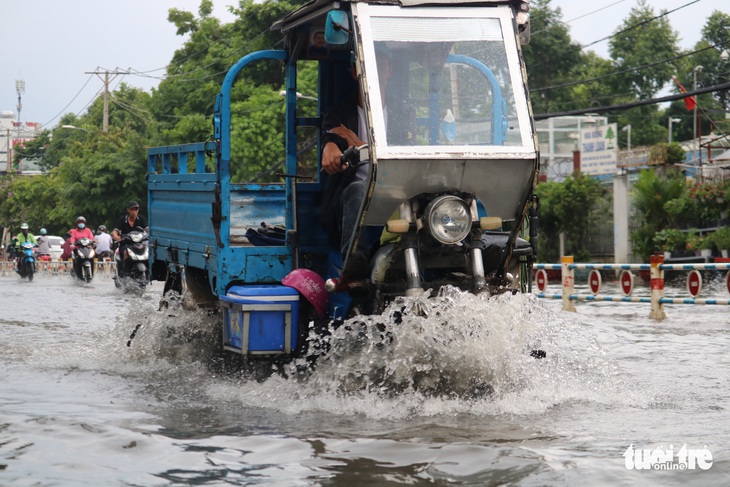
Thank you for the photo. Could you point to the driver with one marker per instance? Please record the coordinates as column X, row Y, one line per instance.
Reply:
column 126, row 223
column 81, row 230
column 23, row 237
column 343, row 126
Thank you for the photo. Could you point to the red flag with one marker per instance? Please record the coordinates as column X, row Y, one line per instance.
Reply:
column 690, row 101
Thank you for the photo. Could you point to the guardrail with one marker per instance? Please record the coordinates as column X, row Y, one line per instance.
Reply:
column 626, row 280
column 103, row 268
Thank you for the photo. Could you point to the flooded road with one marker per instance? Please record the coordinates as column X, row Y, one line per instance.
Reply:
column 451, row 399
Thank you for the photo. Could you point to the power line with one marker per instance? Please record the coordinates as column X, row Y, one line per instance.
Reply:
column 69, row 103
column 639, row 24
column 626, row 106
column 628, row 70
column 579, row 17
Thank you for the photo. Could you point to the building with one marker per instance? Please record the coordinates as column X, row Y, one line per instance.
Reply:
column 558, row 137
column 13, row 135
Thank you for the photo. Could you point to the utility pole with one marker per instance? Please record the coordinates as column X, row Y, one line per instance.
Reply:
column 9, row 153
column 20, row 89
column 106, row 80
column 694, row 118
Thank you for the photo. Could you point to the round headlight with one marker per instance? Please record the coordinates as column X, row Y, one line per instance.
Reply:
column 136, row 237
column 449, row 219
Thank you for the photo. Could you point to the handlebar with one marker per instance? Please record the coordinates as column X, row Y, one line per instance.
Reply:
column 351, row 156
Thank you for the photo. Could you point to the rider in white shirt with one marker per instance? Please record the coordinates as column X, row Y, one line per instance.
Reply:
column 103, row 243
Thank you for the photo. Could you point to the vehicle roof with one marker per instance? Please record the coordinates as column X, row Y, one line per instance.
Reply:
column 322, row 6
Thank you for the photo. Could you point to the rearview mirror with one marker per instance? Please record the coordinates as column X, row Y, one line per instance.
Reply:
column 337, row 28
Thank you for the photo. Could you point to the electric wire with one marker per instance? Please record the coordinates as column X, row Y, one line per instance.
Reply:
column 625, row 106
column 565, row 22
column 627, row 70
column 69, row 103
column 639, row 24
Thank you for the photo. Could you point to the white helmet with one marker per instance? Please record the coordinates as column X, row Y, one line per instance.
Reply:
column 24, row 226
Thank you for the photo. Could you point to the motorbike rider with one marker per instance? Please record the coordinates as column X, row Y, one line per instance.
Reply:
column 81, row 230
column 77, row 233
column 23, row 237
column 67, row 247
column 12, row 247
column 103, row 243
column 344, row 126
column 44, row 245
column 126, row 223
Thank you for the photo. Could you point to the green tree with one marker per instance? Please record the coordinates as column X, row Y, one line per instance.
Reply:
column 95, row 178
column 635, row 47
column 714, row 70
column 568, row 207
column 651, row 193
column 27, row 199
column 640, row 41
column 552, row 58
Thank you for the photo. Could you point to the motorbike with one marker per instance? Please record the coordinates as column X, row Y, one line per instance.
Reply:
column 26, row 261
column 133, row 266
column 83, row 259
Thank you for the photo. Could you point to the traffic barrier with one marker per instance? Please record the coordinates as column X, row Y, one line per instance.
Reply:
column 105, row 268
column 626, row 280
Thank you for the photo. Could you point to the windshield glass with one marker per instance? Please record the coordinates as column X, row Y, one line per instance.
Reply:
column 446, row 81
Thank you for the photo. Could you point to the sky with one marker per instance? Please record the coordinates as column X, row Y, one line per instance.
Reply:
column 52, row 44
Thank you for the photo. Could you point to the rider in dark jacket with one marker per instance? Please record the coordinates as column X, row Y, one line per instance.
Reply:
column 126, row 223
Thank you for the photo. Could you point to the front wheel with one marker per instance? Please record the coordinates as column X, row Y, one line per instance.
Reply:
column 86, row 274
column 139, row 274
column 29, row 269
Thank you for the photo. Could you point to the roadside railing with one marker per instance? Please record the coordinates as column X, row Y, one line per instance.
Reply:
column 626, row 281
column 103, row 268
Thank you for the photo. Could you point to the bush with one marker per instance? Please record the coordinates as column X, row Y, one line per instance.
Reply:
column 694, row 241
column 722, row 238
column 671, row 240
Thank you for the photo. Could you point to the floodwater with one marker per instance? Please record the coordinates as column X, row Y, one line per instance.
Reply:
column 454, row 398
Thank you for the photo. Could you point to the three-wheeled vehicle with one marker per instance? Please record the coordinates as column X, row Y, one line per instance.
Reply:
column 447, row 195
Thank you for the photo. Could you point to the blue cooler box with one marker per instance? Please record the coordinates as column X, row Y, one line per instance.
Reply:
column 260, row 319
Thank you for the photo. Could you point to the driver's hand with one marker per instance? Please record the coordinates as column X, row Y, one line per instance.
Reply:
column 331, row 158
column 350, row 137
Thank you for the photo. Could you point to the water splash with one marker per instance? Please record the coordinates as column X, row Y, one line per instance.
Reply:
column 448, row 354
column 427, row 355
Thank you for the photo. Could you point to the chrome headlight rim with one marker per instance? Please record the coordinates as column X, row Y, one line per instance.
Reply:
column 460, row 215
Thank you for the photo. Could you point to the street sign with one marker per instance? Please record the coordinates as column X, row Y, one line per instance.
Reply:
column 694, row 282
column 627, row 282
column 541, row 279
column 594, row 281
column 599, row 150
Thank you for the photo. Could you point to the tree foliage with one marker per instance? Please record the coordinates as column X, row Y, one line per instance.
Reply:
column 651, row 193
column 552, row 58
column 641, row 39
column 567, row 207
